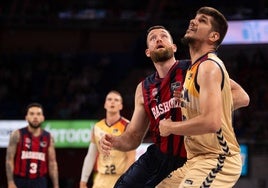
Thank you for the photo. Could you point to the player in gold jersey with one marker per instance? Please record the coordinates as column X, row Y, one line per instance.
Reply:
column 213, row 153
column 109, row 168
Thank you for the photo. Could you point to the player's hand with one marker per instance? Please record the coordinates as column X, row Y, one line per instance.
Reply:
column 11, row 184
column 106, row 144
column 177, row 95
column 164, row 127
column 83, row 184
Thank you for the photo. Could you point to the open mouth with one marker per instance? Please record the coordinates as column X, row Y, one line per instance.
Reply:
column 160, row 46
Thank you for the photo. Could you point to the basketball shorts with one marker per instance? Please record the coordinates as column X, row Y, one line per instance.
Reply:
column 150, row 169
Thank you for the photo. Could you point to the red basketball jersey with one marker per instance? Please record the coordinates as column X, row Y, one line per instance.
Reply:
column 31, row 159
column 160, row 103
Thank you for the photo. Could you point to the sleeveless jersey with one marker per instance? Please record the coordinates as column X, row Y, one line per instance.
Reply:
column 224, row 141
column 116, row 162
column 159, row 103
column 31, row 159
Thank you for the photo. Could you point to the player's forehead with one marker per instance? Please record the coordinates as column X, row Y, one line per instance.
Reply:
column 113, row 96
column 35, row 109
column 158, row 31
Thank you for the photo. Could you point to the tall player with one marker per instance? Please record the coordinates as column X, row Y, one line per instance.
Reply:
column 213, row 152
column 31, row 155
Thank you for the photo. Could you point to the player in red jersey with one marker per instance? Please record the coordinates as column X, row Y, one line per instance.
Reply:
column 31, row 154
column 154, row 100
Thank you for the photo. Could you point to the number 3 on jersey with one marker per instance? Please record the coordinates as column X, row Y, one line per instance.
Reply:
column 33, row 168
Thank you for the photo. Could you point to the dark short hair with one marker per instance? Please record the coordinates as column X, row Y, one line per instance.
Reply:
column 219, row 22
column 34, row 104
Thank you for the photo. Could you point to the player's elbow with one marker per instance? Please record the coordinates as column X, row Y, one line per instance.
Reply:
column 242, row 101
column 135, row 143
column 213, row 125
column 246, row 100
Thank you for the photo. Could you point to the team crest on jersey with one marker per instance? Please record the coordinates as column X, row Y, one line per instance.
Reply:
column 175, row 85
column 115, row 130
column 43, row 144
column 27, row 142
column 154, row 94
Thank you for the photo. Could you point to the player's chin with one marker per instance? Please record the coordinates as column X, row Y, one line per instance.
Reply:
column 35, row 125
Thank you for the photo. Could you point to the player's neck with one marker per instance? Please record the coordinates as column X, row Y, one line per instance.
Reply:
column 35, row 132
column 164, row 67
column 198, row 51
column 111, row 118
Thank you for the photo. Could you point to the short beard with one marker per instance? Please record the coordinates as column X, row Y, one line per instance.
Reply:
column 35, row 126
column 187, row 40
column 162, row 55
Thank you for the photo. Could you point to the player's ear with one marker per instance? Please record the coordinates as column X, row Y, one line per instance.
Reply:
column 174, row 48
column 43, row 118
column 147, row 52
column 214, row 36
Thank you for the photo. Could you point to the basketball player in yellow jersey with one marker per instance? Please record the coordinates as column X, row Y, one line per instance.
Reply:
column 213, row 153
column 109, row 168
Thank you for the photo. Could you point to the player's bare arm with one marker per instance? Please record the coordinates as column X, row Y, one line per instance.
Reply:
column 135, row 131
column 10, row 154
column 139, row 123
column 240, row 96
column 52, row 164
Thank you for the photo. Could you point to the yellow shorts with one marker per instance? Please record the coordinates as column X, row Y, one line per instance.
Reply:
column 104, row 180
column 196, row 170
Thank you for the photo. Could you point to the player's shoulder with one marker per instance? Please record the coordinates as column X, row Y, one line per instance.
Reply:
column 150, row 79
column 15, row 133
column 45, row 132
column 100, row 122
column 125, row 120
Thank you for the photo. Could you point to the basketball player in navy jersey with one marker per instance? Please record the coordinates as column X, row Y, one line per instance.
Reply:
column 155, row 100
column 31, row 154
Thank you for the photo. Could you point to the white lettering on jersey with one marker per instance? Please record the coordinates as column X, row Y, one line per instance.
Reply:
column 164, row 107
column 33, row 155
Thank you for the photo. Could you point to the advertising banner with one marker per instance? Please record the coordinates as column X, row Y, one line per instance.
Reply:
column 247, row 32
column 67, row 134
column 6, row 127
column 70, row 133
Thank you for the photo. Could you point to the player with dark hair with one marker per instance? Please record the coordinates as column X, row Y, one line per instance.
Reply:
column 213, row 153
column 31, row 155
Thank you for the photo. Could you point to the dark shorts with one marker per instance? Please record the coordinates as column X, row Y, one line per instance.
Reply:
column 150, row 169
column 31, row 183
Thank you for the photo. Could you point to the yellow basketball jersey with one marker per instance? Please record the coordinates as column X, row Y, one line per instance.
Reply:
column 224, row 142
column 116, row 162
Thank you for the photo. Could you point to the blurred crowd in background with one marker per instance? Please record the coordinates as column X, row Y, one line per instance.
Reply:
column 72, row 86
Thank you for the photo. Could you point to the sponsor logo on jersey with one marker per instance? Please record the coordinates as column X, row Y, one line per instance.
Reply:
column 27, row 142
column 33, row 155
column 164, row 107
